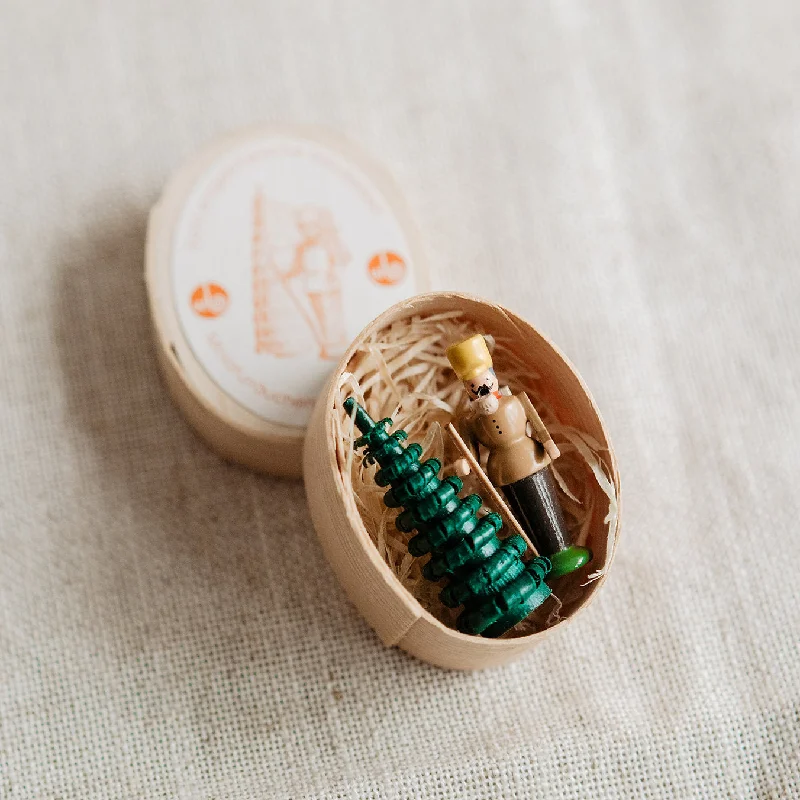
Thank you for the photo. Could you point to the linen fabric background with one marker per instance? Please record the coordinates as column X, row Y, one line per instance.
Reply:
column 623, row 174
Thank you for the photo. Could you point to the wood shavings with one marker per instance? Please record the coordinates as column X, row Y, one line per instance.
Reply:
column 563, row 484
column 402, row 372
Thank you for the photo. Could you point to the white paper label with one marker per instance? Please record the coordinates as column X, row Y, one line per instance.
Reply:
column 284, row 252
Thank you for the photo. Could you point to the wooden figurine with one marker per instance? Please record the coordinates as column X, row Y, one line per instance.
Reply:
column 518, row 463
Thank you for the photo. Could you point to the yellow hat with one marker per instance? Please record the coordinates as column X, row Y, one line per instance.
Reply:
column 470, row 357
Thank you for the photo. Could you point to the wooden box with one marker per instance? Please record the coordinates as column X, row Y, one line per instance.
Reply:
column 396, row 616
column 233, row 271
column 240, row 342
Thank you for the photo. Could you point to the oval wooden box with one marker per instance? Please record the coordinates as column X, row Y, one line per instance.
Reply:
column 396, row 616
column 231, row 427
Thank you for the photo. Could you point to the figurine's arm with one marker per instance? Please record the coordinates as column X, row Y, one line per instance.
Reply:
column 540, row 432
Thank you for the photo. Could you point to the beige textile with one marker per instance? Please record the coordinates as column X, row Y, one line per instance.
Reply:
column 624, row 174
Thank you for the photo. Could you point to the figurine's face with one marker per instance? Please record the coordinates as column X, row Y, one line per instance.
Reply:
column 482, row 385
column 482, row 391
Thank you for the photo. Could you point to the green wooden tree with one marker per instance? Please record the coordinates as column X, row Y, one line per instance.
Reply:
column 485, row 575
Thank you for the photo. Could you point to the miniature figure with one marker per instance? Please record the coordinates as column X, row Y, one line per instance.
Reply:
column 519, row 463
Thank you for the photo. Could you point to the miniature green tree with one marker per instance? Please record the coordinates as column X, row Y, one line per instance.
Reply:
column 486, row 575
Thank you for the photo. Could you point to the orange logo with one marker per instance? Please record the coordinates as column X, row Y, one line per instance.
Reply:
column 209, row 300
column 387, row 269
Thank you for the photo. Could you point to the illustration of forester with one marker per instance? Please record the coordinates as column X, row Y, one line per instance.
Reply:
column 298, row 256
column 319, row 257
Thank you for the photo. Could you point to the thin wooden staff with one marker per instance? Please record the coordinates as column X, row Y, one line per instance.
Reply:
column 489, row 486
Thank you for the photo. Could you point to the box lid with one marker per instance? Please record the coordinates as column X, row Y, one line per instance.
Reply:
column 266, row 254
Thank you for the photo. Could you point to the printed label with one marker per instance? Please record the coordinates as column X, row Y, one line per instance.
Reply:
column 284, row 252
